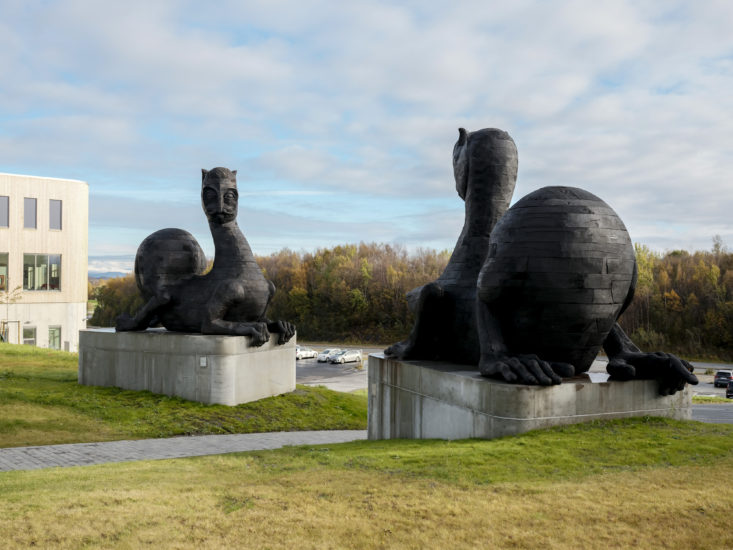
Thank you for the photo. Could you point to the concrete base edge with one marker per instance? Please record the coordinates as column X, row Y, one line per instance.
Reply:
column 434, row 400
column 198, row 367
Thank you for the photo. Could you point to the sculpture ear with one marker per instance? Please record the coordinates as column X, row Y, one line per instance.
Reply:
column 462, row 135
column 235, row 173
column 204, row 171
column 460, row 163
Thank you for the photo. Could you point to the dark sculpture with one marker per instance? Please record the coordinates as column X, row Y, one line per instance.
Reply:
column 558, row 271
column 230, row 299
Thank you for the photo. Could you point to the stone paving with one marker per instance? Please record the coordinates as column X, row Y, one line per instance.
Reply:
column 84, row 454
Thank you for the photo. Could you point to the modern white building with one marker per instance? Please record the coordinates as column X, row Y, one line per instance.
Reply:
column 43, row 260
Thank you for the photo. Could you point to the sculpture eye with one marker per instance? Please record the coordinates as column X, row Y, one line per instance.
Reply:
column 209, row 194
column 230, row 196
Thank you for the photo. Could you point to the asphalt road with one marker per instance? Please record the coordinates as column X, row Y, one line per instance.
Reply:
column 713, row 414
column 347, row 377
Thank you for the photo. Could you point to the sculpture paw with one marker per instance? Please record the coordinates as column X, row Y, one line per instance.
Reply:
column 284, row 329
column 523, row 369
column 257, row 332
column 398, row 350
column 671, row 372
column 125, row 322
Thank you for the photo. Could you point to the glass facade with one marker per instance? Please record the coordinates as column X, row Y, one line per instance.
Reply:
column 41, row 272
column 29, row 213
column 54, row 271
column 55, row 214
column 3, row 271
column 54, row 337
column 29, row 336
column 4, row 211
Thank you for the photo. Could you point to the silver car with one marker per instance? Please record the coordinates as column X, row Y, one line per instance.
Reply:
column 301, row 352
column 347, row 356
column 326, row 354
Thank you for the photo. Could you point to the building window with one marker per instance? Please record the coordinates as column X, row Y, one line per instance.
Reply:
column 29, row 336
column 54, row 337
column 4, row 211
column 29, row 213
column 3, row 271
column 41, row 272
column 54, row 271
column 54, row 208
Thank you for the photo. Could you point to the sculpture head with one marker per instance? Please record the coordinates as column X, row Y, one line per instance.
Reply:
column 485, row 157
column 219, row 196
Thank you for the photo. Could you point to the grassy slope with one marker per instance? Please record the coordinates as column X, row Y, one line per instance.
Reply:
column 644, row 483
column 41, row 403
column 711, row 400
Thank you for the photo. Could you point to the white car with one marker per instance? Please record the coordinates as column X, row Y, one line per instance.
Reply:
column 326, row 354
column 301, row 352
column 347, row 356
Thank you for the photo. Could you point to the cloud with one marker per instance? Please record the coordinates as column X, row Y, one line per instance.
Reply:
column 358, row 103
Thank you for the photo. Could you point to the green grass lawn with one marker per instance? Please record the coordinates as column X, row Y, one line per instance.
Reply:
column 41, row 403
column 709, row 399
column 634, row 483
column 643, row 482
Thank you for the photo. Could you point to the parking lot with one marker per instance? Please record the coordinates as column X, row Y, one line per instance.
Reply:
column 347, row 377
column 354, row 375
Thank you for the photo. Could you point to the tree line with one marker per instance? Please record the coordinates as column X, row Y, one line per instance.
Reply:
column 683, row 302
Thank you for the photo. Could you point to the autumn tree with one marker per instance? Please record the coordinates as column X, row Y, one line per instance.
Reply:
column 116, row 296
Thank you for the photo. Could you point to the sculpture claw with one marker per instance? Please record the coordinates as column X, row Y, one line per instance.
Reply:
column 398, row 350
column 671, row 372
column 520, row 369
column 284, row 329
column 125, row 322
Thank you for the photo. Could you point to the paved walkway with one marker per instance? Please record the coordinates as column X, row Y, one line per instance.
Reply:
column 84, row 454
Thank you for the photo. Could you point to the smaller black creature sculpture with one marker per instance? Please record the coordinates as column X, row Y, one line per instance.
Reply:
column 230, row 299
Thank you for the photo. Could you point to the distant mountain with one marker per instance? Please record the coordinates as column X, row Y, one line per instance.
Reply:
column 106, row 274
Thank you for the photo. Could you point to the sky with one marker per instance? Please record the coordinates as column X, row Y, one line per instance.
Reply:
column 340, row 118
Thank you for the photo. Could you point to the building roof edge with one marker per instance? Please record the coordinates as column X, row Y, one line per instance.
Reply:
column 44, row 177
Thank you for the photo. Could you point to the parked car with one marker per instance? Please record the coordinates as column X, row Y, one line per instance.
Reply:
column 326, row 354
column 301, row 352
column 722, row 377
column 347, row 356
column 729, row 390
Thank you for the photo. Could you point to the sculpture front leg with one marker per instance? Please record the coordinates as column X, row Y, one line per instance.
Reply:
column 496, row 362
column 257, row 332
column 627, row 362
column 142, row 318
column 424, row 302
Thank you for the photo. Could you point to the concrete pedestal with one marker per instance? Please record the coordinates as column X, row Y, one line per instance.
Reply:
column 428, row 399
column 204, row 368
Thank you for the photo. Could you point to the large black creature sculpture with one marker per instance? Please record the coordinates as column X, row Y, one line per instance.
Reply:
column 230, row 299
column 558, row 269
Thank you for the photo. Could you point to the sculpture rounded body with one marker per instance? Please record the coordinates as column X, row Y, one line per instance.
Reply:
column 164, row 257
column 559, row 271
